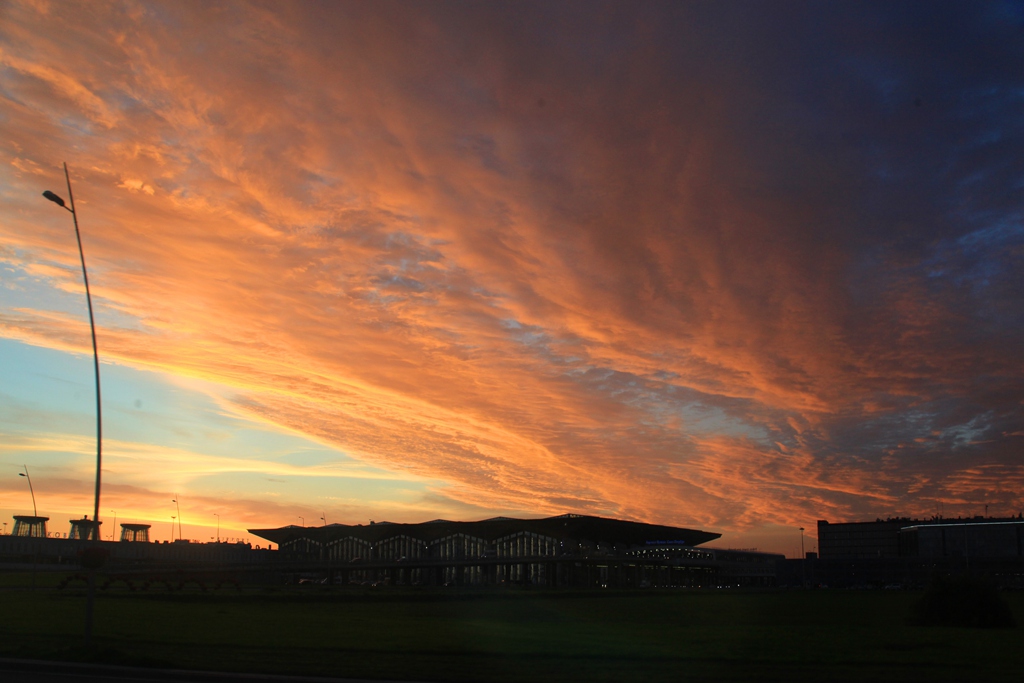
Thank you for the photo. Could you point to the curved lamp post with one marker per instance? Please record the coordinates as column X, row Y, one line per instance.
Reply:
column 35, row 513
column 95, row 353
column 92, row 557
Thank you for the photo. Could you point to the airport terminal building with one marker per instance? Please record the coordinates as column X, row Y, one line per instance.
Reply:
column 568, row 550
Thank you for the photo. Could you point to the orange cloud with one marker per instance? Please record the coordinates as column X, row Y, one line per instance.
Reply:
column 549, row 283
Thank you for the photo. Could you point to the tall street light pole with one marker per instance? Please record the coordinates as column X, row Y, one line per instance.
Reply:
column 25, row 474
column 92, row 558
column 95, row 352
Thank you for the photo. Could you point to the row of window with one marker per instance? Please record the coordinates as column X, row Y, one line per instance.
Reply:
column 671, row 553
column 453, row 547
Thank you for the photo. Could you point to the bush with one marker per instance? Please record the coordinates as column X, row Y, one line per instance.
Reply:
column 962, row 601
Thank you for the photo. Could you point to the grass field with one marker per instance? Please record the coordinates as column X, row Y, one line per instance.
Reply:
column 516, row 635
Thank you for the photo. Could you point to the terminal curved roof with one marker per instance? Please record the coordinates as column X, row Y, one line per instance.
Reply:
column 582, row 527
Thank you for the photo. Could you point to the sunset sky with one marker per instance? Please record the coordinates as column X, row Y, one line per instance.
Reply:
column 731, row 266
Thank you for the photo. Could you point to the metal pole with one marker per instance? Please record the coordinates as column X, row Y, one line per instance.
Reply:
column 35, row 513
column 95, row 360
column 218, row 526
column 94, row 529
column 178, row 505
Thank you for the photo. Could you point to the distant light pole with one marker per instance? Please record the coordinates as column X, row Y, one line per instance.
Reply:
column 218, row 526
column 115, row 525
column 175, row 501
column 25, row 474
column 326, row 549
column 172, row 527
column 803, row 559
column 303, row 520
column 95, row 352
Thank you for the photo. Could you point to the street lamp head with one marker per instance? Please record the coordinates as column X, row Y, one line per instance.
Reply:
column 21, row 474
column 54, row 198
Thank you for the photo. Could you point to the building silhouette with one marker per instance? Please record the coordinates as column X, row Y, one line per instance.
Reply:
column 900, row 552
column 568, row 550
column 135, row 533
column 30, row 526
column 938, row 537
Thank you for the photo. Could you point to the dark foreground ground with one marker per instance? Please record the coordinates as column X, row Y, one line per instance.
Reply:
column 39, row 671
column 514, row 634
